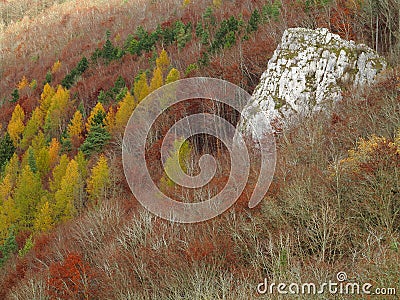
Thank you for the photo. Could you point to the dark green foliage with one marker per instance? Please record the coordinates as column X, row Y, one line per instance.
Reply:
column 7, row 150
column 254, row 21
column 49, row 77
column 271, row 11
column 32, row 160
column 14, row 96
column 71, row 77
column 97, row 138
column 9, row 247
column 114, row 92
column 82, row 65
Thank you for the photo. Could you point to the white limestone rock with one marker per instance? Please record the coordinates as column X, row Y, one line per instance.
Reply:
column 307, row 73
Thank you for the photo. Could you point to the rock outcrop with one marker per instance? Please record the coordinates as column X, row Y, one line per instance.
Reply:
column 307, row 73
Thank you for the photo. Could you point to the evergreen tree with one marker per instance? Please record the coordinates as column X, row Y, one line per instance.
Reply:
column 96, row 117
column 96, row 139
column 8, row 247
column 7, row 150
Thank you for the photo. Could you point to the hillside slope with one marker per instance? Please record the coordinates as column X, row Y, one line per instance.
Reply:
column 72, row 72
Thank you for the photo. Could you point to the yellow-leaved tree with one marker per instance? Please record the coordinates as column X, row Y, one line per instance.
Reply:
column 141, row 88
column 125, row 109
column 43, row 220
column 68, row 193
column 163, row 62
column 16, row 125
column 172, row 76
column 99, row 181
column 32, row 127
column 157, row 80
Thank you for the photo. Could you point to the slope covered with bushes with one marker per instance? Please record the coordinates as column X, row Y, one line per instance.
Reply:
column 71, row 75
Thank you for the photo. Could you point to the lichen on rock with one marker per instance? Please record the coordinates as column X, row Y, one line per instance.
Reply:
column 307, row 73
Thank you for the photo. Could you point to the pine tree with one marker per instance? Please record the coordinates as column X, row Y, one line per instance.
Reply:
column 8, row 247
column 157, row 80
column 43, row 220
column 16, row 125
column 99, row 180
column 140, row 88
column 96, row 116
column 172, row 76
column 96, row 139
column 125, row 109
column 68, row 193
column 7, row 150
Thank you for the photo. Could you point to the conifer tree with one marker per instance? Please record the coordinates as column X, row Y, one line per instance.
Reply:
column 172, row 76
column 110, row 120
column 75, row 129
column 125, row 109
column 58, row 173
column 27, row 194
column 57, row 111
column 9, row 216
column 99, row 180
column 46, row 97
column 141, row 88
column 12, row 169
column 68, row 193
column 163, row 62
column 32, row 127
column 43, row 220
column 16, row 125
column 96, row 116
column 54, row 150
column 157, row 80
column 7, row 150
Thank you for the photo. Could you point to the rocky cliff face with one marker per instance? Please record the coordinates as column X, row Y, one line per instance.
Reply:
column 307, row 73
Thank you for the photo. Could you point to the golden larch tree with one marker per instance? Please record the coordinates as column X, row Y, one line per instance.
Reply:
column 99, row 180
column 125, row 109
column 157, row 80
column 16, row 125
column 141, row 88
